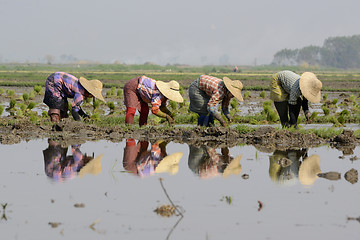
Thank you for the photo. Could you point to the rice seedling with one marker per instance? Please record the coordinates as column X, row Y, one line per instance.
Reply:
column 262, row 94
column 22, row 106
column 12, row 104
column 31, row 105
column 234, row 103
column 325, row 96
column 32, row 95
column 25, row 97
column 119, row 93
column 38, row 89
column 335, row 101
column 2, row 91
column 10, row 93
column 1, row 109
column 111, row 106
column 247, row 95
column 173, row 105
column 326, row 110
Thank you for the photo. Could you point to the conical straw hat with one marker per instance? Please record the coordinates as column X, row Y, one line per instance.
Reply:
column 234, row 86
column 309, row 169
column 93, row 86
column 170, row 90
column 93, row 167
column 310, row 87
column 234, row 167
column 169, row 163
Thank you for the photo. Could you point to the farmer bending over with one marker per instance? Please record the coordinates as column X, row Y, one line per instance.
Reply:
column 289, row 91
column 60, row 86
column 141, row 91
column 206, row 92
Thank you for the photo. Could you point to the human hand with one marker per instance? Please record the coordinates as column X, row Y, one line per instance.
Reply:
column 170, row 120
column 308, row 116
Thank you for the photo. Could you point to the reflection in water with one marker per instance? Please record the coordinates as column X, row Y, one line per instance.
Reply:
column 287, row 166
column 143, row 162
column 59, row 166
column 206, row 162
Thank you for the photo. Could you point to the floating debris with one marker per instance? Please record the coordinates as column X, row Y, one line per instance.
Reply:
column 260, row 206
column 165, row 210
column 351, row 176
column 330, row 175
column 54, row 224
column 245, row 176
column 353, row 219
column 79, row 205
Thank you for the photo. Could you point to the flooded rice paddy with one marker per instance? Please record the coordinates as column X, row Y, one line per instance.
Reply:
column 158, row 190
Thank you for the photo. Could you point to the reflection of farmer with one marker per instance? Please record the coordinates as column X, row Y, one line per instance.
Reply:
column 59, row 166
column 207, row 163
column 287, row 166
column 141, row 91
column 287, row 89
column 206, row 92
column 60, row 86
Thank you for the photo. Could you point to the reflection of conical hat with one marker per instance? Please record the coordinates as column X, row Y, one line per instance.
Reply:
column 234, row 167
column 93, row 167
column 234, row 86
column 94, row 87
column 169, row 164
column 309, row 169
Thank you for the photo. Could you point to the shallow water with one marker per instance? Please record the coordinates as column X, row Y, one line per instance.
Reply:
column 216, row 199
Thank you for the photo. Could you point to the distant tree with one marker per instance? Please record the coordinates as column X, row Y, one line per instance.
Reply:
column 286, row 57
column 310, row 55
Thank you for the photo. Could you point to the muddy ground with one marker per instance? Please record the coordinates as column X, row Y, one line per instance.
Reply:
column 265, row 139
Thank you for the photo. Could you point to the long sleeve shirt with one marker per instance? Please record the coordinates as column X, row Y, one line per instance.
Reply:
column 290, row 82
column 149, row 93
column 68, row 86
column 216, row 90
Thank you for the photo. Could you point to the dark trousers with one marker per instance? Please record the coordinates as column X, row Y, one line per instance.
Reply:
column 288, row 113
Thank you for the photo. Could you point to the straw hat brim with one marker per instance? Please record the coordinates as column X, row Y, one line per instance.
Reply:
column 234, row 167
column 310, row 87
column 234, row 86
column 93, row 86
column 309, row 170
column 172, row 94
column 92, row 167
column 169, row 163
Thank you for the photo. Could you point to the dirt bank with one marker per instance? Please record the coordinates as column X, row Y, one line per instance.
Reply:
column 264, row 138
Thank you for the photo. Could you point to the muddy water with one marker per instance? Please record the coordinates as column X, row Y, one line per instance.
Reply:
column 239, row 192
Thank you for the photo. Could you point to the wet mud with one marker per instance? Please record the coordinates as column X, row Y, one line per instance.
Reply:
column 266, row 139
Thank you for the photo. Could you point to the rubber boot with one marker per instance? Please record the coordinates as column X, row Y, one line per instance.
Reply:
column 54, row 115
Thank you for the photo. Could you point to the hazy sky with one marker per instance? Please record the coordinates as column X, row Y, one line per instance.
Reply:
column 187, row 31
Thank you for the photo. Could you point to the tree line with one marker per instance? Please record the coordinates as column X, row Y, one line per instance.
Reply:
column 339, row 52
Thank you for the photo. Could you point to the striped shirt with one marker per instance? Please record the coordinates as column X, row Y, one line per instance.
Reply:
column 290, row 82
column 216, row 90
column 65, row 85
column 149, row 93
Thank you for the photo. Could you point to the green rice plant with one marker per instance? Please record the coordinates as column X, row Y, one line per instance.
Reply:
column 19, row 113
column 242, row 129
column 1, row 109
column 31, row 105
column 262, row 94
column 335, row 101
column 325, row 96
column 1, row 91
column 34, row 118
column 344, row 113
column 111, row 106
column 234, row 103
column 96, row 104
column 38, row 89
column 44, row 114
column 22, row 106
column 119, row 93
column 12, row 104
column 95, row 117
column 32, row 95
column 173, row 105
column 326, row 110
column 25, row 97
column 10, row 93
column 247, row 95
column 352, row 98
column 341, row 119
column 181, row 90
